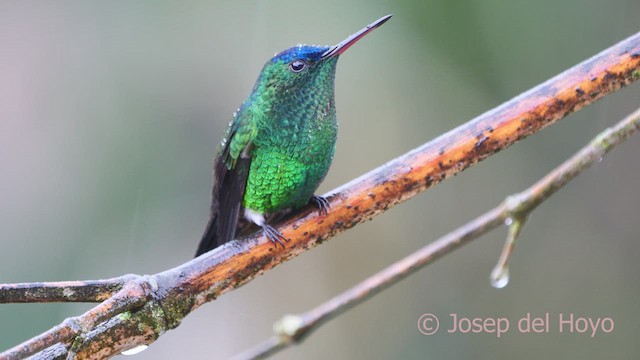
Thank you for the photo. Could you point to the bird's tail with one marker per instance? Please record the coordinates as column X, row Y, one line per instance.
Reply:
column 208, row 240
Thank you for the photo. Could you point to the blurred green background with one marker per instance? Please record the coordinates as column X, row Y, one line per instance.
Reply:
column 110, row 112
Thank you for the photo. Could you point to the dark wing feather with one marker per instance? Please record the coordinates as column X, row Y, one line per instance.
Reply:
column 230, row 194
column 229, row 182
column 227, row 194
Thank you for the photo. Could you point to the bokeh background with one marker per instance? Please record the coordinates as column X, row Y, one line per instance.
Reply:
column 110, row 112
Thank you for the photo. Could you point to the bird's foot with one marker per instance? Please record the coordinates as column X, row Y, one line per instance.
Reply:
column 322, row 204
column 273, row 235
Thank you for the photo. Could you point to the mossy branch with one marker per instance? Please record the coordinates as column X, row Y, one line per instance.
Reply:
column 138, row 309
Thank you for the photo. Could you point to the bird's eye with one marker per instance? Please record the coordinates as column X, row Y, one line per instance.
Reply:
column 297, row 65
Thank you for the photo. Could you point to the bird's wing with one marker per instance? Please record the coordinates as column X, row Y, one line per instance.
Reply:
column 231, row 169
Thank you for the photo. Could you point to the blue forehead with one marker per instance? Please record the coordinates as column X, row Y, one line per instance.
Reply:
column 302, row 52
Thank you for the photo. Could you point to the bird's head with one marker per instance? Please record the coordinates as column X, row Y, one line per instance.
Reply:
column 305, row 67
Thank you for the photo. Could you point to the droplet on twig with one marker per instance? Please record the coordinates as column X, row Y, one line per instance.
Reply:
column 500, row 277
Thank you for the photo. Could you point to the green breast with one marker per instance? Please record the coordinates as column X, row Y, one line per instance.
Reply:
column 289, row 161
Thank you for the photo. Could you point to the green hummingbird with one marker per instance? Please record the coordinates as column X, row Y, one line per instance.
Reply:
column 279, row 146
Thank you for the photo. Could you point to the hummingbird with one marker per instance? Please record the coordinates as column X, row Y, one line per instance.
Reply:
column 279, row 146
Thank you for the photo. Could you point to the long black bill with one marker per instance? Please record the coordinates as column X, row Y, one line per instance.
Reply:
column 346, row 43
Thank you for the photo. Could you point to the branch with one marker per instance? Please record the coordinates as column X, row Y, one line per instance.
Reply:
column 63, row 291
column 162, row 300
column 293, row 329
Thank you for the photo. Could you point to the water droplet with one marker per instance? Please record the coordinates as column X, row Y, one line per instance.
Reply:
column 508, row 221
column 135, row 350
column 500, row 277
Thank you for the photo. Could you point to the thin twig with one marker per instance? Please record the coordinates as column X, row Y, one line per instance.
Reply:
column 171, row 295
column 500, row 274
column 62, row 291
column 292, row 329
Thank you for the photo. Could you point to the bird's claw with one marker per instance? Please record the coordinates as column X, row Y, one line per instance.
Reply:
column 322, row 203
column 274, row 235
